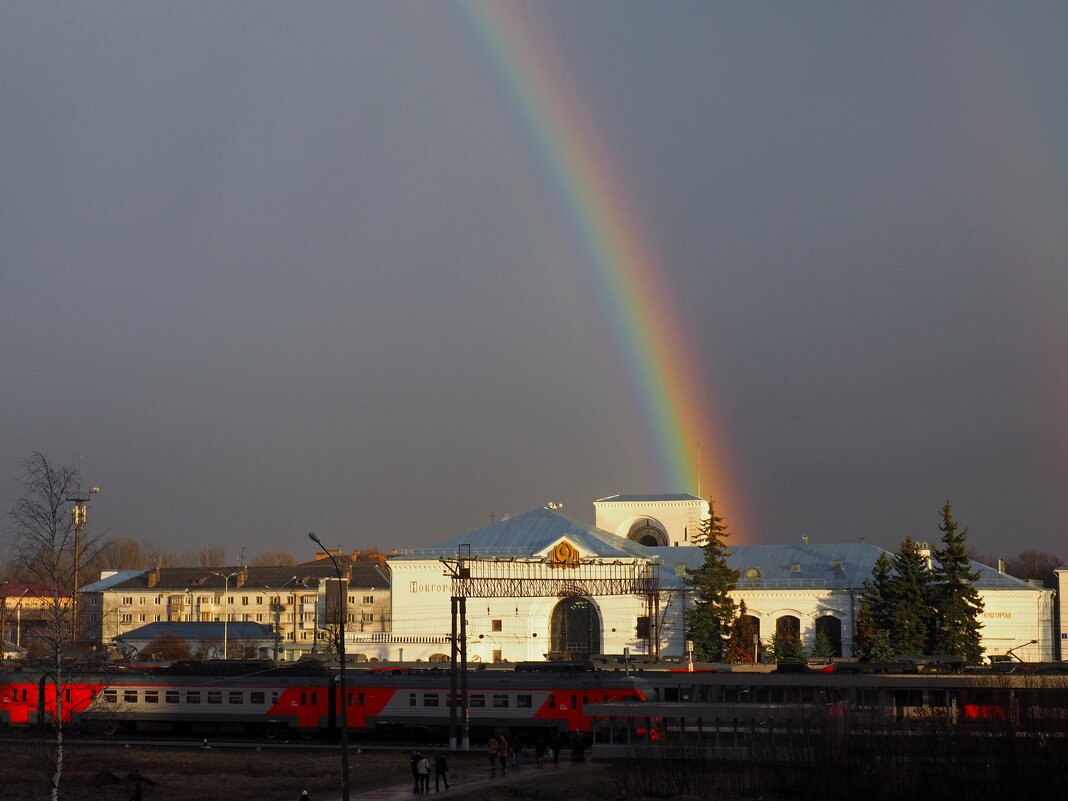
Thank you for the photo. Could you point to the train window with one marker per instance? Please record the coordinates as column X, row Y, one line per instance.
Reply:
column 171, row 696
column 130, row 696
column 348, row 699
column 303, row 699
column 214, row 696
column 574, row 702
column 411, row 699
column 111, row 696
column 524, row 701
column 360, row 699
column 237, row 697
column 671, row 693
column 500, row 701
column 257, row 697
column 274, row 696
column 151, row 696
column 66, row 695
column 552, row 701
column 431, row 699
column 478, row 699
column 585, row 699
column 192, row 696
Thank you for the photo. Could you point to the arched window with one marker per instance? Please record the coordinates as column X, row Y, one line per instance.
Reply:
column 647, row 532
column 830, row 627
column 788, row 628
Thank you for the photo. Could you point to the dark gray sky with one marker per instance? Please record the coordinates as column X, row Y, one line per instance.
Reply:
column 268, row 268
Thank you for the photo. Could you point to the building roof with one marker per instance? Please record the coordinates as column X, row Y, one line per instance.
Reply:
column 200, row 630
column 671, row 496
column 816, row 566
column 530, row 533
column 192, row 579
column 106, row 582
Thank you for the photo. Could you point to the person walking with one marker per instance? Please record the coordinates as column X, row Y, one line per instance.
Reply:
column 414, row 760
column 554, row 746
column 424, row 775
column 491, row 752
column 517, row 746
column 502, row 752
column 304, row 796
column 441, row 772
column 539, row 751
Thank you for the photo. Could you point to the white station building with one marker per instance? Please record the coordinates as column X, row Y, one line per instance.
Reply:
column 797, row 590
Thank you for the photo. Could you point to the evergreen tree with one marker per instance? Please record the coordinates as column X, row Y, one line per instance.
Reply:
column 744, row 638
column 909, row 612
column 957, row 604
column 875, row 609
column 822, row 647
column 708, row 623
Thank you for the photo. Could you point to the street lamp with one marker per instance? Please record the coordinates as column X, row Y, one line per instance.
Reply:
column 276, row 608
column 226, row 585
column 79, row 500
column 344, row 716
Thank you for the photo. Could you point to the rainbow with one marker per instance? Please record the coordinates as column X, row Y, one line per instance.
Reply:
column 630, row 282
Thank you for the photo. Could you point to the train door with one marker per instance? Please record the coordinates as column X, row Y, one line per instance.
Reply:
column 575, row 629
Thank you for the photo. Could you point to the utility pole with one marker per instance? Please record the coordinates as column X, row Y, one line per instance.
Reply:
column 80, row 501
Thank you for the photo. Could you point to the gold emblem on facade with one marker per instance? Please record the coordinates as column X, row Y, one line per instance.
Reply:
column 564, row 554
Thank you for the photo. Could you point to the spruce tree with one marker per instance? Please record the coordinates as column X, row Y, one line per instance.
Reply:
column 875, row 610
column 911, row 599
column 708, row 622
column 957, row 604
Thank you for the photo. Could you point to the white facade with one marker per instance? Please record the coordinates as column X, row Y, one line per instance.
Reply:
column 673, row 520
column 1062, row 594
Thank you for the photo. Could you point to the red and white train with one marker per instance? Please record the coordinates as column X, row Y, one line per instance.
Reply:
column 255, row 697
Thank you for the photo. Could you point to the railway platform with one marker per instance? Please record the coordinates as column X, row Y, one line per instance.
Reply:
column 468, row 781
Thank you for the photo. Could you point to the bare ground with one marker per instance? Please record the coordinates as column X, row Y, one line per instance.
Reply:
column 196, row 774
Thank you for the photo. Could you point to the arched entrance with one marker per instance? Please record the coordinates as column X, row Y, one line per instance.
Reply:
column 574, row 629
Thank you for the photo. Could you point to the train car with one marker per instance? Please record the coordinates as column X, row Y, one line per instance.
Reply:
column 305, row 699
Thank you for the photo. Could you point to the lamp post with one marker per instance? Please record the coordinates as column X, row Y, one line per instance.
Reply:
column 277, row 607
column 344, row 716
column 80, row 500
column 226, row 586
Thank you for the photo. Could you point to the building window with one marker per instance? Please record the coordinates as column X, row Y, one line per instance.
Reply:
column 641, row 630
column 495, row 625
column 259, row 600
column 368, row 599
column 92, row 600
column 368, row 617
column 230, row 600
column 127, row 600
column 159, row 600
column 244, row 600
column 126, row 618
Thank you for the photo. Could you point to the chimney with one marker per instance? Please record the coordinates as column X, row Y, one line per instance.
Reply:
column 153, row 577
column 242, row 576
column 1001, row 565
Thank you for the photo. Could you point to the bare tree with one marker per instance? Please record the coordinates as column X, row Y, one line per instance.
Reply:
column 43, row 544
column 214, row 556
column 273, row 559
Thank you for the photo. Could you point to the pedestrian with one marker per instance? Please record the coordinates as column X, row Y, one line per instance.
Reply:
column 441, row 772
column 554, row 746
column 137, row 792
column 539, row 750
column 304, row 796
column 491, row 752
column 502, row 752
column 574, row 745
column 414, row 760
column 424, row 774
column 517, row 746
